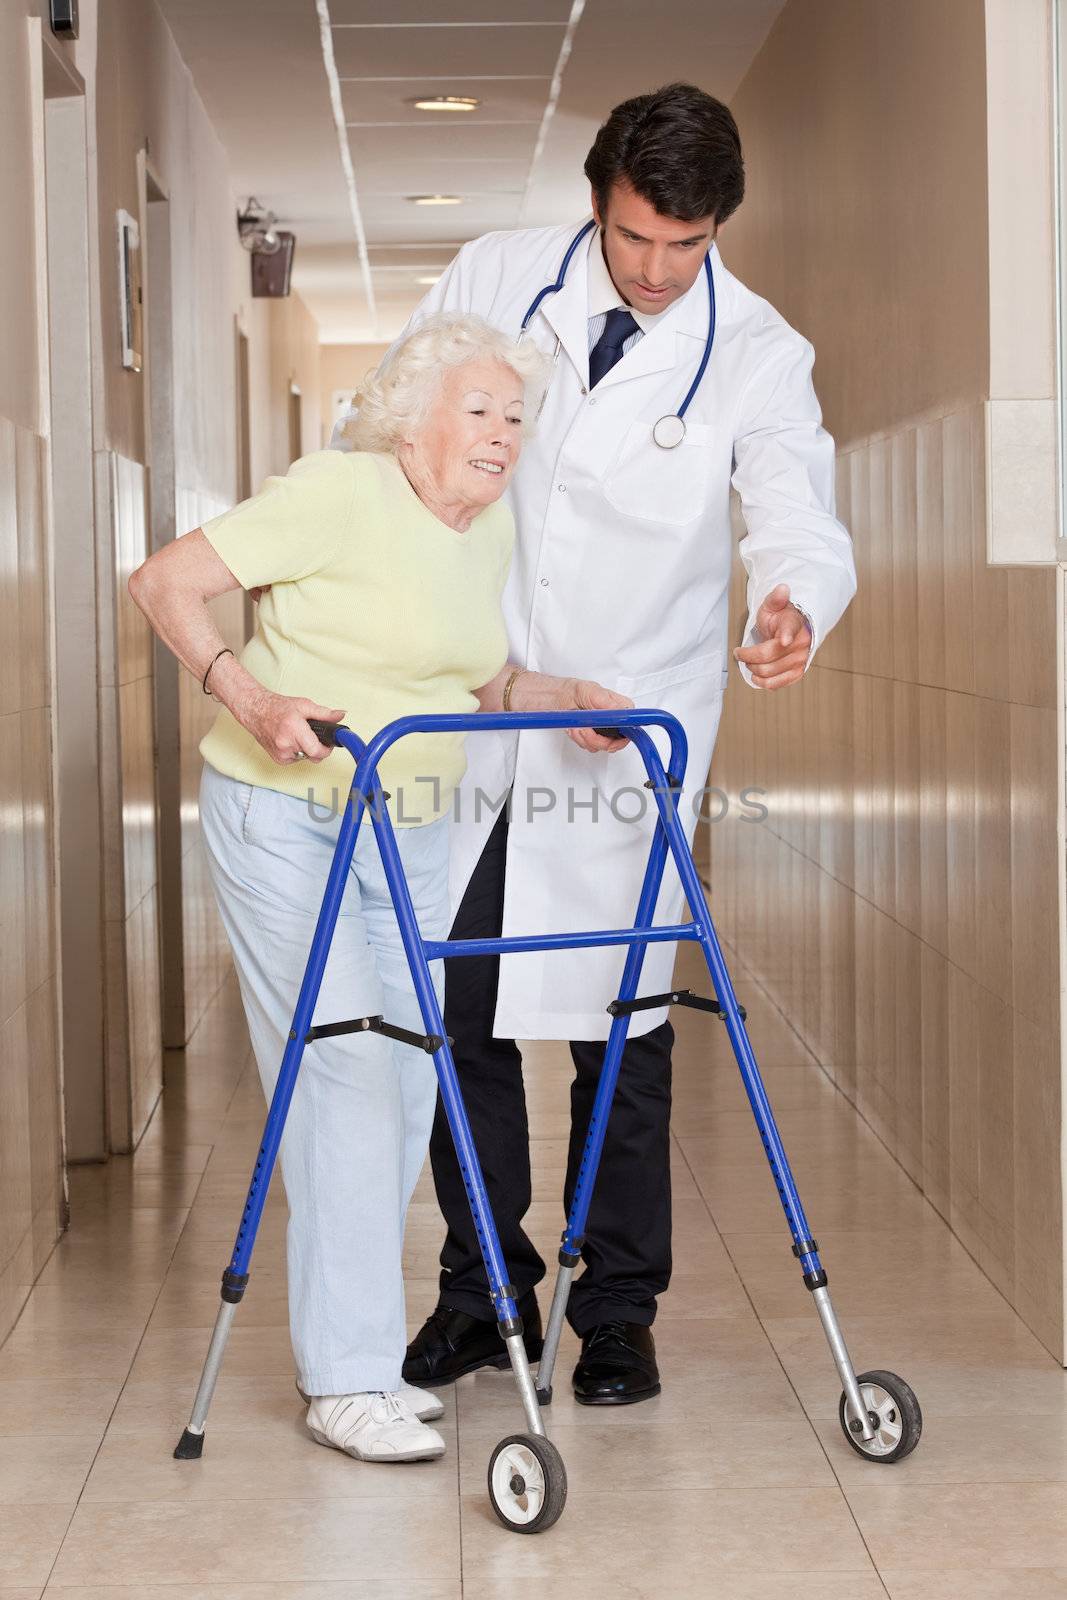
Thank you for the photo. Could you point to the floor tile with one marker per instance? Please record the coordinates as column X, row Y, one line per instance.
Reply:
column 701, row 1400
column 275, row 1462
column 958, row 1366
column 72, row 1405
column 30, row 1536
column 927, row 1526
column 995, row 1447
column 740, row 1452
column 707, row 1584
column 698, row 1538
column 976, row 1583
column 54, row 1353
column 372, row 1589
column 935, row 1268
column 168, row 1542
column 45, row 1468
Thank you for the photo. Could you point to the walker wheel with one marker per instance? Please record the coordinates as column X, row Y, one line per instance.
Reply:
column 895, row 1417
column 527, row 1483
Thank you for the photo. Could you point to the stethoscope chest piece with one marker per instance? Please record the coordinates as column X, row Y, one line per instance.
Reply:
column 669, row 432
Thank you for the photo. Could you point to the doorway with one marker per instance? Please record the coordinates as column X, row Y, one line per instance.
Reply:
column 296, row 422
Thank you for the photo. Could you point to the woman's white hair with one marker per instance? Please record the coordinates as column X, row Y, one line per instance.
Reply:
column 395, row 398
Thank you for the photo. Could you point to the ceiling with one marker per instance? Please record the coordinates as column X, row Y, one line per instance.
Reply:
column 546, row 76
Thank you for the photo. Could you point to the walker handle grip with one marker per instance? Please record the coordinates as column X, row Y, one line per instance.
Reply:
column 612, row 733
column 325, row 732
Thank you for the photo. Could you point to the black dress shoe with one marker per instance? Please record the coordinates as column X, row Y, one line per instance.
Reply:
column 617, row 1366
column 450, row 1344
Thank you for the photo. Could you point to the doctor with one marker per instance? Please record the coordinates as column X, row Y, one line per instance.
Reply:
column 621, row 573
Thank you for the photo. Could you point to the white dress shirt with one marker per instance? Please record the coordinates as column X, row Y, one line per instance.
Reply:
column 604, row 297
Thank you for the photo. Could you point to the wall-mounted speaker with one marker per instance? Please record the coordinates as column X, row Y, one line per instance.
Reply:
column 64, row 18
column 271, row 273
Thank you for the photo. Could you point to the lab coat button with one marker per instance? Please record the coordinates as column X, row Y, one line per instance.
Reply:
column 544, row 583
column 562, row 487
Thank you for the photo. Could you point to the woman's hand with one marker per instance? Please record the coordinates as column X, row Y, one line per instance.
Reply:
column 583, row 694
column 279, row 722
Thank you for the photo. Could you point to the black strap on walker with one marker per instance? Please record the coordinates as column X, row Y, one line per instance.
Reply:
column 331, row 1030
column 677, row 997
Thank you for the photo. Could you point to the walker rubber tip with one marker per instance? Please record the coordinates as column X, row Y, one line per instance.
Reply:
column 544, row 1396
column 190, row 1447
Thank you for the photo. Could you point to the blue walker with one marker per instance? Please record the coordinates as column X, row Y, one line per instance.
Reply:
column 879, row 1413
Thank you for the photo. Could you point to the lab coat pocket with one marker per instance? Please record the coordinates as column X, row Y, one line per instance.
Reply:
column 644, row 689
column 665, row 487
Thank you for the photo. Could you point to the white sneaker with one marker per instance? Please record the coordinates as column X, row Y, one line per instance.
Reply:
column 372, row 1427
column 426, row 1406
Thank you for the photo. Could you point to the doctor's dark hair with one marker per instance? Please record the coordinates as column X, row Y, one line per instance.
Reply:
column 678, row 148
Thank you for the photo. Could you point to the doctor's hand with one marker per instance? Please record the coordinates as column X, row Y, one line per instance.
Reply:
column 582, row 694
column 781, row 656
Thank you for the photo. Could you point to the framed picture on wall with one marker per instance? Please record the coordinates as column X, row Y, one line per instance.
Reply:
column 130, row 309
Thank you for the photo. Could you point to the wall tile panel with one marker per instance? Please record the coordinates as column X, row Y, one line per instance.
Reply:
column 35, row 652
column 925, row 975
column 31, row 1176
column 10, row 678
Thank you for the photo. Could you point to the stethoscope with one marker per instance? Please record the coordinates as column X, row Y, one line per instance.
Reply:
column 669, row 431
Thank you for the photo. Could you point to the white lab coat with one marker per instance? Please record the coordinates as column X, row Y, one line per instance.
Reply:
column 621, row 573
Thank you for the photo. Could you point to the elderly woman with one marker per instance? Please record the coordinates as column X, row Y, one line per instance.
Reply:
column 385, row 569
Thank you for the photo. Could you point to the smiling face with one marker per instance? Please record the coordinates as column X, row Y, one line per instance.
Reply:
column 653, row 259
column 464, row 453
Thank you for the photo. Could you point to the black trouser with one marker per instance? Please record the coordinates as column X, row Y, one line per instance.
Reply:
column 627, row 1251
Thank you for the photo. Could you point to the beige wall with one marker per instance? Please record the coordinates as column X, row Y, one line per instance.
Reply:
column 31, row 1178
column 901, row 902
column 866, row 216
column 31, row 1169
column 343, row 366
column 138, row 94
column 145, row 96
column 20, row 388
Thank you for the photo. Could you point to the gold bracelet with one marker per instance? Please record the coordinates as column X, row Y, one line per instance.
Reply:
column 506, row 699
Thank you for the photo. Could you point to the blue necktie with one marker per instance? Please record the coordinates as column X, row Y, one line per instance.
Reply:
column 618, row 326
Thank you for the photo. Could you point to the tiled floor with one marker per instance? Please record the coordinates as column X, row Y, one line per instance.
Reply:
column 734, row 1484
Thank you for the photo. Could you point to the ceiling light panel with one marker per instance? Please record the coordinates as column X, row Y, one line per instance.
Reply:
column 501, row 101
column 435, row 52
column 369, row 12
column 447, row 104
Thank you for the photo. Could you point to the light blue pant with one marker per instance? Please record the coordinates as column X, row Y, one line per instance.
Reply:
column 359, row 1124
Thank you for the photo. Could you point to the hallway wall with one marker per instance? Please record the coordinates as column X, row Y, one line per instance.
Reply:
column 901, row 902
column 146, row 98
column 31, row 1170
column 139, row 96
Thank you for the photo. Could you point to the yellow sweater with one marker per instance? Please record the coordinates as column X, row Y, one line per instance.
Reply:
column 376, row 606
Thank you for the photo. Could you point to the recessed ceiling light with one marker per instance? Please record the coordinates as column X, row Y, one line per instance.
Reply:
column 428, row 281
column 436, row 199
column 446, row 102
